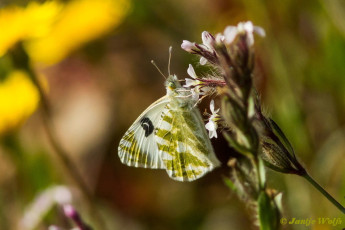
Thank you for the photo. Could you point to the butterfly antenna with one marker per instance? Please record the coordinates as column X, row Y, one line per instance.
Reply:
column 170, row 50
column 154, row 63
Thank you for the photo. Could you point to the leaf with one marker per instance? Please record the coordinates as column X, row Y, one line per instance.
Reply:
column 229, row 183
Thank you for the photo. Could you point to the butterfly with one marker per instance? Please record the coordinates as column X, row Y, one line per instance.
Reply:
column 170, row 134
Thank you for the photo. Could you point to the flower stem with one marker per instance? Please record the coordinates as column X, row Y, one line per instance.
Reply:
column 21, row 61
column 324, row 192
column 63, row 155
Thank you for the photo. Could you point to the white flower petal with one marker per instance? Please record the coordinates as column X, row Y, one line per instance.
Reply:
column 210, row 125
column 259, row 31
column 210, row 134
column 207, row 39
column 250, row 39
column 191, row 71
column 188, row 46
column 205, row 90
column 203, row 61
column 248, row 26
column 189, row 82
column 53, row 227
column 212, row 106
column 220, row 38
column 230, row 34
column 214, row 134
column 195, row 94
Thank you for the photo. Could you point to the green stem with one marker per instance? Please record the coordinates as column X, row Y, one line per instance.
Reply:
column 324, row 192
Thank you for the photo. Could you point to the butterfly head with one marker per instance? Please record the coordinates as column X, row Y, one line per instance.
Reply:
column 172, row 84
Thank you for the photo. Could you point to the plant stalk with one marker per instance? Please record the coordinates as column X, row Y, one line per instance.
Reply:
column 324, row 192
column 62, row 154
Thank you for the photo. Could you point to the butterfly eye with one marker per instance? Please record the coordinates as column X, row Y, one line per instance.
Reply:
column 172, row 85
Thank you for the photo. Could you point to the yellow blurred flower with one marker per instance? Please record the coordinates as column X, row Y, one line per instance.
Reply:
column 18, row 100
column 18, row 24
column 52, row 30
column 79, row 22
column 49, row 32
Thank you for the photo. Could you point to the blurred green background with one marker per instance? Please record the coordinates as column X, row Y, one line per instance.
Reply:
column 94, row 62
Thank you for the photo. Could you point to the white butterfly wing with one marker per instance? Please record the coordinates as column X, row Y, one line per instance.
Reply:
column 183, row 144
column 138, row 146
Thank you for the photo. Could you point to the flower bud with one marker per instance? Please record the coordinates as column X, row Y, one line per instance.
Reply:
column 277, row 151
column 207, row 39
column 71, row 213
column 188, row 46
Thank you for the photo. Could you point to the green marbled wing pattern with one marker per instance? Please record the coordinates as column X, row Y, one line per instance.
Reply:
column 170, row 134
column 183, row 144
column 136, row 149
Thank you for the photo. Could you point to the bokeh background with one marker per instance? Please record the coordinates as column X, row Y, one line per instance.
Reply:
column 93, row 60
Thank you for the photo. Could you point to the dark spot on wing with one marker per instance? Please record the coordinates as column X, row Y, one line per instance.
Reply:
column 147, row 125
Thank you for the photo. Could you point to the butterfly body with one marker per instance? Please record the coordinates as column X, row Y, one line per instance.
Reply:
column 170, row 134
